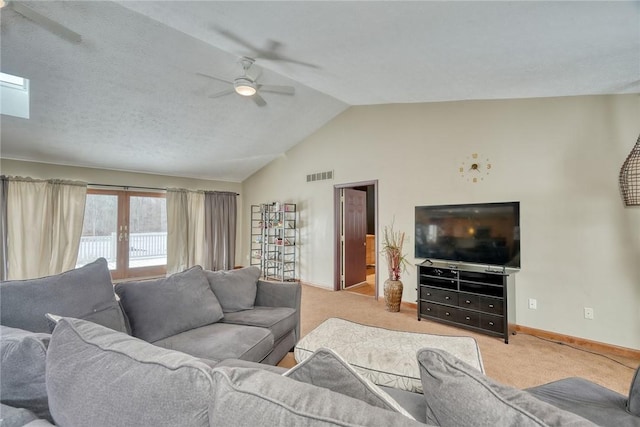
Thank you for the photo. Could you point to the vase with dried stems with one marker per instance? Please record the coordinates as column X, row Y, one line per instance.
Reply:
column 396, row 262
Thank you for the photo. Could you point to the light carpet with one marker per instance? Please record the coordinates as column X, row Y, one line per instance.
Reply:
column 526, row 361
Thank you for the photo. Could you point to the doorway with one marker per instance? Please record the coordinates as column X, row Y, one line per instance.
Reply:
column 356, row 222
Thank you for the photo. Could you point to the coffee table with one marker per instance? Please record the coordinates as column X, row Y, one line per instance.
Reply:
column 384, row 356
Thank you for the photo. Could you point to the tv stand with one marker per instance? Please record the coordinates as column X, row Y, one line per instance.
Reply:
column 475, row 299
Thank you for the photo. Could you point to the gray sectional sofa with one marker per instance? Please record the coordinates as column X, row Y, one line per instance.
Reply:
column 128, row 372
column 99, row 377
column 211, row 315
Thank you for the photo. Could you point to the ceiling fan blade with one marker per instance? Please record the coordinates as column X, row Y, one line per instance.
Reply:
column 46, row 23
column 270, row 52
column 259, row 100
column 215, row 78
column 282, row 90
column 237, row 39
column 222, row 93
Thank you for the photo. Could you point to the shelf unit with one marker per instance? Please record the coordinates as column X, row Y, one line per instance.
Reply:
column 476, row 300
column 274, row 239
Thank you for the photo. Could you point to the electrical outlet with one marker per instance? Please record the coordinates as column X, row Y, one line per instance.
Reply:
column 588, row 313
column 533, row 304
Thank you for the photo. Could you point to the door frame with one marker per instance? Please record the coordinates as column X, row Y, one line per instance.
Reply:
column 337, row 238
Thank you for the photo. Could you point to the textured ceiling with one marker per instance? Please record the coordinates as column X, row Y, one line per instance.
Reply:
column 128, row 96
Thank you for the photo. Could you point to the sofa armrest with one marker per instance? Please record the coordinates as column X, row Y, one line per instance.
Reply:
column 280, row 294
column 20, row 417
column 633, row 403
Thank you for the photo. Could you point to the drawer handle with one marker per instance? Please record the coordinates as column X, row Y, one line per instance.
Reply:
column 447, row 298
column 468, row 318
column 490, row 305
column 428, row 309
column 428, row 294
column 467, row 302
column 447, row 314
column 490, row 323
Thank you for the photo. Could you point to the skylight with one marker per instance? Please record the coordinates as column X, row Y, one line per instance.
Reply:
column 14, row 96
column 12, row 80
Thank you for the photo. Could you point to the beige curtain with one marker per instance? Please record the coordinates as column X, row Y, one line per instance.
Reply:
column 185, row 229
column 44, row 226
column 220, row 229
column 4, row 185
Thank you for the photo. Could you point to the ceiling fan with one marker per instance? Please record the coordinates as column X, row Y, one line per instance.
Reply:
column 41, row 20
column 247, row 85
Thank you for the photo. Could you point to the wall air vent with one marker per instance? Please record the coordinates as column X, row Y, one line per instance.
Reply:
column 320, row 176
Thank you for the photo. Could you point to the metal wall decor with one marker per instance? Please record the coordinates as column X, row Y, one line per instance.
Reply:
column 630, row 177
column 475, row 168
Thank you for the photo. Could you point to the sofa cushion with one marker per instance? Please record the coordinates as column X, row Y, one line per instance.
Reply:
column 23, row 354
column 160, row 308
column 255, row 397
column 98, row 377
column 222, row 341
column 326, row 369
column 85, row 293
column 457, row 394
column 589, row 400
column 236, row 289
column 279, row 320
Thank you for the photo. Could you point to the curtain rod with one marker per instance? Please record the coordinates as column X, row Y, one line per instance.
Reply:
column 126, row 187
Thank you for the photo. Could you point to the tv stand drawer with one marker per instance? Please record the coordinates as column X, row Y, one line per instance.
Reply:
column 440, row 311
column 438, row 295
column 492, row 305
column 469, row 301
column 492, row 323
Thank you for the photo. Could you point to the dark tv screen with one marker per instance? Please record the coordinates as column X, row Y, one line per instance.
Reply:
column 481, row 233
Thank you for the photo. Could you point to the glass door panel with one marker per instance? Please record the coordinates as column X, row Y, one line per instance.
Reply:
column 148, row 231
column 100, row 230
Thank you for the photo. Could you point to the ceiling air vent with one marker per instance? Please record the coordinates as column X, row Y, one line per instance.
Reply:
column 320, row 176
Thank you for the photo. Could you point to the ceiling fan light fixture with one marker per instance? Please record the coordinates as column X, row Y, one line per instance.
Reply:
column 244, row 86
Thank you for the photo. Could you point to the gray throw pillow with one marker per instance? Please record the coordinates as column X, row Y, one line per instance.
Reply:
column 101, row 378
column 84, row 293
column 255, row 397
column 23, row 356
column 459, row 395
column 161, row 308
column 236, row 289
column 326, row 369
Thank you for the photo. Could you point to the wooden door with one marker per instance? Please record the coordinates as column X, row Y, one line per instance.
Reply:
column 354, row 235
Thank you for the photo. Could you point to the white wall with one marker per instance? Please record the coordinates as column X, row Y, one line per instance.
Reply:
column 110, row 177
column 560, row 157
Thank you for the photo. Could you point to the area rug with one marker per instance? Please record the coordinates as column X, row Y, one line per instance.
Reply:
column 384, row 356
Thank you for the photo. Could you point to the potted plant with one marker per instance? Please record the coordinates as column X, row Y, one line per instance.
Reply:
column 396, row 263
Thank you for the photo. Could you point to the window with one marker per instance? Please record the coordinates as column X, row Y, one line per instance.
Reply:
column 14, row 96
column 127, row 228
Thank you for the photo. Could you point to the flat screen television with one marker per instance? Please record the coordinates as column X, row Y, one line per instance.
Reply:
column 480, row 233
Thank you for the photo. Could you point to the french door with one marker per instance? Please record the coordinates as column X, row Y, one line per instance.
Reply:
column 129, row 229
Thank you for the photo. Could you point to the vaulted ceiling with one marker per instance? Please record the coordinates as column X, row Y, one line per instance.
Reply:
column 129, row 96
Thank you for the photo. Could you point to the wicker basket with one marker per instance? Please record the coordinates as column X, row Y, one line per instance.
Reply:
column 393, row 294
column 630, row 177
